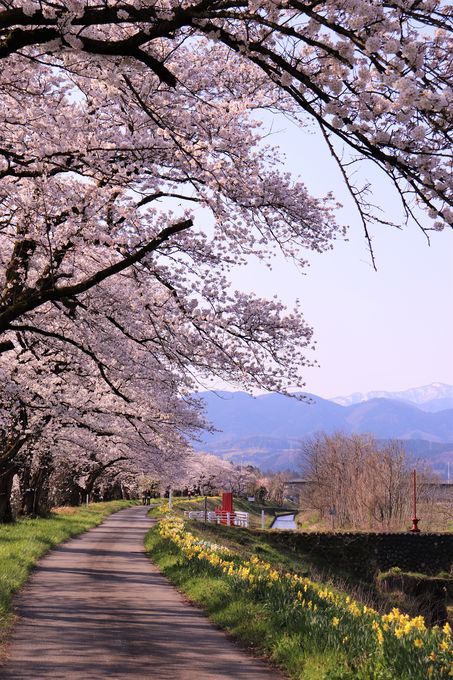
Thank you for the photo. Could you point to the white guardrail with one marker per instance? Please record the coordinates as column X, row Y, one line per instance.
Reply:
column 237, row 519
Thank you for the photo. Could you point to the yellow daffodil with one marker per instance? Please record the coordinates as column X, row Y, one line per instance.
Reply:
column 314, row 600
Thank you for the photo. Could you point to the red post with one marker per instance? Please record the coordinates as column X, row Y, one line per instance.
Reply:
column 415, row 520
column 227, row 501
column 226, row 512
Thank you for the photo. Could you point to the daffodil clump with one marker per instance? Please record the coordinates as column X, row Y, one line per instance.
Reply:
column 393, row 645
column 163, row 507
column 172, row 528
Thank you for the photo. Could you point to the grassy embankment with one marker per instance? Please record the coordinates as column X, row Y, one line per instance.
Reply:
column 22, row 543
column 320, row 633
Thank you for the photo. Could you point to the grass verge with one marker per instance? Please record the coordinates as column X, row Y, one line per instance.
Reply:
column 260, row 629
column 284, row 554
column 311, row 630
column 22, row 543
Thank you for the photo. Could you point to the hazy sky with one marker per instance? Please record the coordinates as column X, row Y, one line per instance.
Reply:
column 385, row 330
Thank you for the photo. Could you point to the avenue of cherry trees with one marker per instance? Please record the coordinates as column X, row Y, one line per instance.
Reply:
column 135, row 177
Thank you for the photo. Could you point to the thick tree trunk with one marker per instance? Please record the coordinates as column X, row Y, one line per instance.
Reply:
column 35, row 486
column 42, row 493
column 6, row 484
column 27, row 502
column 86, row 492
column 25, row 484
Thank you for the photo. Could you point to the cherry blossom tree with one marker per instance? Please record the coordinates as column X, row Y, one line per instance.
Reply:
column 208, row 474
column 89, row 406
column 98, row 274
column 74, row 218
column 80, row 426
column 375, row 76
column 135, row 177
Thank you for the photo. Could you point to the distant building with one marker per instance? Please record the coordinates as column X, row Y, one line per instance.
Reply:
column 294, row 488
column 439, row 491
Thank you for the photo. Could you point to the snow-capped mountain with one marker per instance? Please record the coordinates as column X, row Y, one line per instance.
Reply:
column 434, row 397
column 268, row 430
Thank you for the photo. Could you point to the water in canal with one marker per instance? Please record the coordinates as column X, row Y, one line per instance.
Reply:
column 286, row 522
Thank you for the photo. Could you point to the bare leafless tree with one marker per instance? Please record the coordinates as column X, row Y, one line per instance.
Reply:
column 360, row 482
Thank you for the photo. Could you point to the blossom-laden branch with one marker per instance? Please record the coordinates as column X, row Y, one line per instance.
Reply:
column 26, row 301
column 376, row 74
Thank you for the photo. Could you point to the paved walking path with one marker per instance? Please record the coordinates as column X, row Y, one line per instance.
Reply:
column 96, row 607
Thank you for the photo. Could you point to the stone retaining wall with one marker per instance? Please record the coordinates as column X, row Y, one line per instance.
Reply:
column 368, row 553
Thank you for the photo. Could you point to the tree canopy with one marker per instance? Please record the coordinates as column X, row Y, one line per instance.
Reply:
column 136, row 176
column 376, row 75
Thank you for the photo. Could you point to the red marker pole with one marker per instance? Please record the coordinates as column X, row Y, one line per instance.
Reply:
column 415, row 520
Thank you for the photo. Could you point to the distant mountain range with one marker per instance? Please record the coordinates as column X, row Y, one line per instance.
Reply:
column 268, row 430
column 434, row 397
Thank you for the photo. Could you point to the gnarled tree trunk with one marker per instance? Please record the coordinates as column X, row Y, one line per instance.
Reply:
column 7, row 473
column 34, row 476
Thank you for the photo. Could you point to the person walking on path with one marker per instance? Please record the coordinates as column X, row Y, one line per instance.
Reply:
column 97, row 608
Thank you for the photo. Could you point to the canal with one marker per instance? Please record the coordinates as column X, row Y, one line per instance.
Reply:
column 285, row 522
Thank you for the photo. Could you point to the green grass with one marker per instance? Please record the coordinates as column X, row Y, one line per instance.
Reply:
column 22, row 543
column 311, row 631
column 261, row 544
column 253, row 624
column 268, row 546
column 309, row 521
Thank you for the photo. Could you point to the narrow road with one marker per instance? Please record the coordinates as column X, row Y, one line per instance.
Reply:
column 96, row 607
